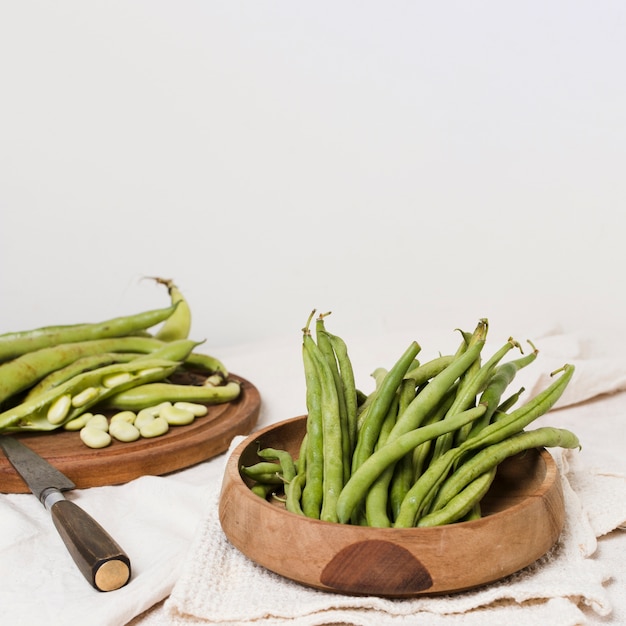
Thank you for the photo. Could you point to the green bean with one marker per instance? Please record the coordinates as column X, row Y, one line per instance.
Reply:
column 422, row 373
column 28, row 369
column 177, row 325
column 326, row 348
column 175, row 350
column 293, row 494
column 515, row 421
column 356, row 488
column 402, row 474
column 263, row 489
column 491, row 456
column 509, row 402
column 423, row 491
column 370, row 428
column 15, row 344
column 461, row 504
column 313, row 490
column 300, row 461
column 501, row 379
column 376, row 499
column 285, row 460
column 469, row 388
column 378, row 375
column 105, row 381
column 263, row 472
column 331, row 428
column 422, row 453
column 149, row 394
column 206, row 363
column 346, row 374
column 432, row 393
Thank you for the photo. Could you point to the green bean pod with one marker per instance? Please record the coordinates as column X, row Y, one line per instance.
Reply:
column 356, row 488
column 461, row 504
column 206, row 363
column 177, row 325
column 28, row 369
column 422, row 372
column 491, row 456
column 499, row 382
column 517, row 420
column 421, row 495
column 434, row 391
column 377, row 411
column 293, row 494
column 333, row 471
column 403, row 471
column 263, row 489
column 285, row 460
column 346, row 374
column 151, row 394
column 60, row 405
column 376, row 499
column 469, row 389
column 15, row 344
column 313, row 490
column 263, row 472
column 326, row 349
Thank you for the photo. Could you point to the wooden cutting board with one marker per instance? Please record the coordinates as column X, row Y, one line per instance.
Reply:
column 180, row 447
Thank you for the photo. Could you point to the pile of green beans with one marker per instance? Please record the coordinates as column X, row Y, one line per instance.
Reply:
column 52, row 376
column 421, row 449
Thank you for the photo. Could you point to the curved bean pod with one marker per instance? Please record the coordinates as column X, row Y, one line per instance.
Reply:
column 285, row 460
column 462, row 503
column 15, row 344
column 150, row 394
column 433, row 392
column 177, row 325
column 491, row 456
column 28, row 369
column 423, row 372
column 376, row 412
column 499, row 382
column 517, row 420
column 423, row 491
column 356, row 488
column 469, row 388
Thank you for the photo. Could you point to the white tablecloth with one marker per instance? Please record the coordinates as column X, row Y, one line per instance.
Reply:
column 163, row 522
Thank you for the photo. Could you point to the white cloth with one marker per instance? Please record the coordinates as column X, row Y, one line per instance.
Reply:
column 168, row 524
column 221, row 586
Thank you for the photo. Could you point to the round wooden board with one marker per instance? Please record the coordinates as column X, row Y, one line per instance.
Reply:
column 181, row 447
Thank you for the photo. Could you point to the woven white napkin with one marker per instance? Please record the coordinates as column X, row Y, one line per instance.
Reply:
column 219, row 585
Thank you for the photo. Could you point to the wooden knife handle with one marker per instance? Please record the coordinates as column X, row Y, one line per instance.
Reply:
column 100, row 559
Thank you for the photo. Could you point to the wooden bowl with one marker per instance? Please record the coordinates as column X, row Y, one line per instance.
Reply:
column 523, row 516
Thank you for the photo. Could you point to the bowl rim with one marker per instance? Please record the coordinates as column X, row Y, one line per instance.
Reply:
column 232, row 466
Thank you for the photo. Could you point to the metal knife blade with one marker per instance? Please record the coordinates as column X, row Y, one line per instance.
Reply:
column 98, row 556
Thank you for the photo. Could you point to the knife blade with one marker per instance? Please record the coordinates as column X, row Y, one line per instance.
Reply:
column 98, row 556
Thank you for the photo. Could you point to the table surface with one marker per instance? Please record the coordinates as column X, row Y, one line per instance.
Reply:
column 276, row 370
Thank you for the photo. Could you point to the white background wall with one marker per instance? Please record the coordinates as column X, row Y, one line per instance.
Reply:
column 399, row 163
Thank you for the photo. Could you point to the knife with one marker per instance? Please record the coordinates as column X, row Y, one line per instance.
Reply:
column 100, row 559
